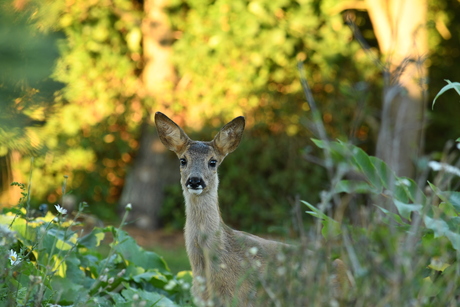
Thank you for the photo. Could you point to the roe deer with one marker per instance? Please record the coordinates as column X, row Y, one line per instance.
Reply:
column 220, row 256
column 229, row 266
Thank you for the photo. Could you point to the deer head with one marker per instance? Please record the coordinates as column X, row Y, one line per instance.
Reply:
column 199, row 160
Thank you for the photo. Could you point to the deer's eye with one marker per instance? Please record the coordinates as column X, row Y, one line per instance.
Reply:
column 212, row 163
column 183, row 162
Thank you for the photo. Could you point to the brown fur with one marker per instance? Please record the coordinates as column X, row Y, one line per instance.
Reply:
column 227, row 264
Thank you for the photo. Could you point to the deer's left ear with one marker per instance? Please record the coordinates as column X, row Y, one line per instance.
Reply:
column 229, row 137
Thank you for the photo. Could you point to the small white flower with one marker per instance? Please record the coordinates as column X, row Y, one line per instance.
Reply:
column 135, row 297
column 60, row 209
column 14, row 259
column 253, row 250
column 437, row 166
column 128, row 207
column 111, row 280
column 103, row 278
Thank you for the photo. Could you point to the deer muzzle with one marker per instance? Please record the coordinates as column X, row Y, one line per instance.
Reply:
column 195, row 185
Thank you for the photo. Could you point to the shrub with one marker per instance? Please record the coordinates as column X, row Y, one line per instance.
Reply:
column 49, row 260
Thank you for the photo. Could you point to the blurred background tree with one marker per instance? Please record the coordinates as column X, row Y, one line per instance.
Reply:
column 26, row 91
column 202, row 63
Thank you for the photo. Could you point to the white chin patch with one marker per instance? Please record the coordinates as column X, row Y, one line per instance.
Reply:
column 195, row 191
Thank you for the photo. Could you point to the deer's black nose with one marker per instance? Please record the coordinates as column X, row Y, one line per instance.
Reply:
column 195, row 183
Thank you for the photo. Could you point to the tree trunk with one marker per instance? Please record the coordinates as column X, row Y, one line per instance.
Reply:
column 9, row 195
column 154, row 167
column 400, row 28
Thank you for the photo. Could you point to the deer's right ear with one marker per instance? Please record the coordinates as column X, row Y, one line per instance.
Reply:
column 171, row 135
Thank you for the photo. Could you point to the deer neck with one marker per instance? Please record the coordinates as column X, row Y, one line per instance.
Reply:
column 203, row 225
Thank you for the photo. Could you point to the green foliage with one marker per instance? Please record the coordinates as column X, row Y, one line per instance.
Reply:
column 415, row 243
column 48, row 260
column 26, row 90
column 251, row 50
column 92, row 122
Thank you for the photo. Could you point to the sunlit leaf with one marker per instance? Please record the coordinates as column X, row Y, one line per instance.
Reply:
column 93, row 239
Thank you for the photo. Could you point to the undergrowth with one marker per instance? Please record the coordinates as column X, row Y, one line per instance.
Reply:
column 406, row 253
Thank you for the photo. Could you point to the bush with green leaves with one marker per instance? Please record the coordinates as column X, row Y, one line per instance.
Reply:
column 49, row 261
column 405, row 249
column 402, row 251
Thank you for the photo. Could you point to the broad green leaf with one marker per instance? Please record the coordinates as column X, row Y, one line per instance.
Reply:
column 411, row 190
column 450, row 85
column 429, row 289
column 59, row 238
column 93, row 239
column 19, row 225
column 153, row 277
column 318, row 143
column 67, row 291
column 441, row 228
column 353, row 186
column 74, row 272
column 365, row 164
column 132, row 252
column 451, row 197
column 118, row 299
column 448, row 209
column 406, row 209
column 385, row 173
